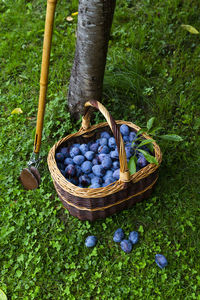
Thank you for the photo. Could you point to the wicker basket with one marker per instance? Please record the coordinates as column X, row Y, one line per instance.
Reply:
column 91, row 204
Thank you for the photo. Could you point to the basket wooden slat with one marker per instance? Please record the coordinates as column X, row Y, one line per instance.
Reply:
column 91, row 204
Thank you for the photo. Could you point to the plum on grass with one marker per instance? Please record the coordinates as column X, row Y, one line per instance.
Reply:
column 98, row 170
column 118, row 235
column 133, row 237
column 126, row 246
column 161, row 260
column 90, row 241
column 124, row 129
column 86, row 167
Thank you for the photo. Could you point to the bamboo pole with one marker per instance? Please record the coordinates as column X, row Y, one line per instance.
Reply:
column 50, row 11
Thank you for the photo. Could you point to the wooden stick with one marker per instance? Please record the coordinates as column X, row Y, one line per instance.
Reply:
column 50, row 11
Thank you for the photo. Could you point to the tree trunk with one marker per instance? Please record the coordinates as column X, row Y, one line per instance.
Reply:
column 94, row 24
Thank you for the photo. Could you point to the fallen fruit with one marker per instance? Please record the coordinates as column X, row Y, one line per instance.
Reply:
column 161, row 260
column 133, row 237
column 90, row 241
column 118, row 235
column 126, row 246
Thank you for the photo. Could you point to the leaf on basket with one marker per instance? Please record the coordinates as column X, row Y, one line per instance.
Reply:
column 132, row 165
column 190, row 28
column 150, row 123
column 151, row 159
column 171, row 137
column 145, row 142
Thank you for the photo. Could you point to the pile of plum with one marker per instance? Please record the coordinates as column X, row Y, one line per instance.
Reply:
column 96, row 164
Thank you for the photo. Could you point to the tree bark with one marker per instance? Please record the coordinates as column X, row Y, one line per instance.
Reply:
column 86, row 81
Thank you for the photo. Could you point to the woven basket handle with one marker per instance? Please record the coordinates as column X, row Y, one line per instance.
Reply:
column 124, row 172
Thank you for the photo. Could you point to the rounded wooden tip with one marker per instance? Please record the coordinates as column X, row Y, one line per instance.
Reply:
column 36, row 173
column 28, row 180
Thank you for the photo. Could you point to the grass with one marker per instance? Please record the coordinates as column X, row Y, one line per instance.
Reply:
column 152, row 70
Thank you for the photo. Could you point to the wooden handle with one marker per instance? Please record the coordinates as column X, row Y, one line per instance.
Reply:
column 50, row 11
column 124, row 172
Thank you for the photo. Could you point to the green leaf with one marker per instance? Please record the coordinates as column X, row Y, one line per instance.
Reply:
column 171, row 137
column 2, row 295
column 150, row 123
column 140, row 131
column 149, row 157
column 145, row 142
column 132, row 165
column 190, row 28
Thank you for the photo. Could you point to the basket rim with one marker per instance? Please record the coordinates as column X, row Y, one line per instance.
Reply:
column 104, row 191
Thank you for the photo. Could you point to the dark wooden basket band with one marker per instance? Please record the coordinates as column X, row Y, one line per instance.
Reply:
column 110, row 205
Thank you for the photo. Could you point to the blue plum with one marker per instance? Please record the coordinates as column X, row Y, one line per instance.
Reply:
column 116, row 165
column 74, row 151
column 98, row 170
column 103, row 149
column 124, row 129
column 89, row 155
column 96, row 179
column 105, row 134
column 90, row 241
column 68, row 161
column 132, row 136
column 59, row 157
column 65, row 151
column 70, row 170
column 84, row 148
column 94, row 147
column 86, row 167
column 141, row 162
column 116, row 174
column 95, row 186
column 112, row 143
column 103, row 141
column 133, row 237
column 126, row 246
column 118, row 235
column 106, row 163
column 78, row 159
column 84, row 180
column 161, row 261
column 114, row 154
